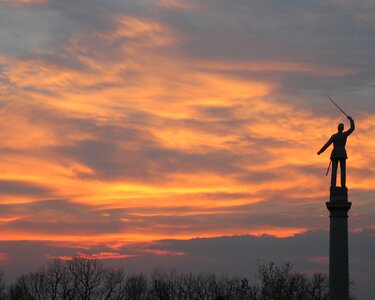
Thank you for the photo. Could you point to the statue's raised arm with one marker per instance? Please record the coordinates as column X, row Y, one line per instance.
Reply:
column 352, row 126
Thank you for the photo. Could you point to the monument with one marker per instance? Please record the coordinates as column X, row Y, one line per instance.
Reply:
column 338, row 207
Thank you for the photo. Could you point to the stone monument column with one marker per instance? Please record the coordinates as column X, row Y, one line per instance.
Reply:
column 338, row 207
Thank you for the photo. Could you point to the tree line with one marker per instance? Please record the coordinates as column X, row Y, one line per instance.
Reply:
column 88, row 279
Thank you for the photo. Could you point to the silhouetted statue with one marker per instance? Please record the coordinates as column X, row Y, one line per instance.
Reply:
column 339, row 153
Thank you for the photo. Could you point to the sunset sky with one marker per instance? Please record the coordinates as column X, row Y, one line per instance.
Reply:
column 125, row 123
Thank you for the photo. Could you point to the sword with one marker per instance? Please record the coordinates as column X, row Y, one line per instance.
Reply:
column 329, row 166
column 337, row 106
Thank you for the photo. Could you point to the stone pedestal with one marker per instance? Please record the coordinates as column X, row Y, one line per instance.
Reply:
column 338, row 207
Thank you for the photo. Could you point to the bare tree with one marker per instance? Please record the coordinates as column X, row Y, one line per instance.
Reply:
column 319, row 287
column 27, row 287
column 117, row 286
column 281, row 282
column 135, row 288
column 2, row 286
column 87, row 276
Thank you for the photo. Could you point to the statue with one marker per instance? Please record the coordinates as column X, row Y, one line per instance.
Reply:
column 338, row 154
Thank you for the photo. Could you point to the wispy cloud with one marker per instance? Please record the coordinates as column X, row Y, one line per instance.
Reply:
column 23, row 2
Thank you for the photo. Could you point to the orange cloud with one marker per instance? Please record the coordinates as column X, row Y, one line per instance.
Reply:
column 23, row 2
column 143, row 33
column 9, row 219
column 99, row 256
column 120, row 119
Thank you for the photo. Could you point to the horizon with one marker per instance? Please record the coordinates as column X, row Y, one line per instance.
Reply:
column 128, row 124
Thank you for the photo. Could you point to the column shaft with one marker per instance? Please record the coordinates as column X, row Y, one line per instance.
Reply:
column 338, row 245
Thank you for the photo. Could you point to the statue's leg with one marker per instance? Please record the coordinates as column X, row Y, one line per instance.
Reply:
column 335, row 163
column 343, row 172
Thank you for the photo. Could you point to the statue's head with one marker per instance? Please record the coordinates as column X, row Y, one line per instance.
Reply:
column 340, row 128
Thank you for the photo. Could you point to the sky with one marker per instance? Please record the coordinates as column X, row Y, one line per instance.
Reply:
column 183, row 133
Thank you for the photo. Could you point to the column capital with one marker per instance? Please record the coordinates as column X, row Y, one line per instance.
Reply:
column 338, row 204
